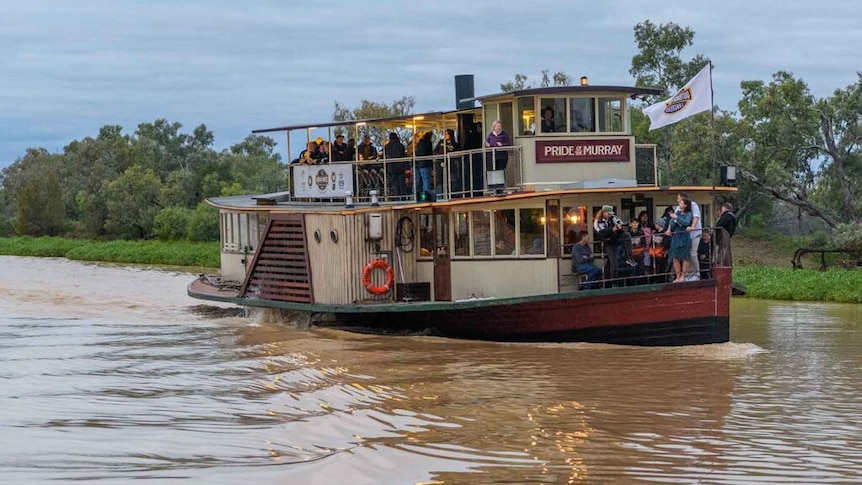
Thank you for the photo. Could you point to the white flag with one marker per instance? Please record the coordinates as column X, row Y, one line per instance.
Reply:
column 695, row 97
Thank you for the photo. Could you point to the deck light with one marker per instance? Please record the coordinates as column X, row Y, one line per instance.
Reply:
column 584, row 80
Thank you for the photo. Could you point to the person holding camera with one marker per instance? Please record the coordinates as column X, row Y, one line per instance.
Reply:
column 612, row 232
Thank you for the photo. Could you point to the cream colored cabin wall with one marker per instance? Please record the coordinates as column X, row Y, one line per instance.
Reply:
column 506, row 278
column 573, row 172
column 232, row 268
column 336, row 268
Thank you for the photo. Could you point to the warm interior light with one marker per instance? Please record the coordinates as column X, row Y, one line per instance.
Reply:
column 584, row 80
column 542, row 220
column 420, row 117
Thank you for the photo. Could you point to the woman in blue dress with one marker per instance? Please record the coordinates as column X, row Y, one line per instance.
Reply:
column 680, row 243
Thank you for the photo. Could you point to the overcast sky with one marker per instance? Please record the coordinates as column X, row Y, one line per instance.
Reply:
column 68, row 67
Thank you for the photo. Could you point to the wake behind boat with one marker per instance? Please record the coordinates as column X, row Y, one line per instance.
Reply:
column 473, row 240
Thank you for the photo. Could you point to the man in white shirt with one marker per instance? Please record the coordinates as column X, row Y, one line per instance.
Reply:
column 693, row 266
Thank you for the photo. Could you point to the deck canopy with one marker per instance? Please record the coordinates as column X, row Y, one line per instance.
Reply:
column 630, row 91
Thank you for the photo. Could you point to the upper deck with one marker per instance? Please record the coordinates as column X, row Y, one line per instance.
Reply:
column 567, row 137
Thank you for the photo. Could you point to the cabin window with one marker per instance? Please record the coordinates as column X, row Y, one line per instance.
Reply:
column 462, row 234
column 581, row 112
column 531, row 225
column 514, row 233
column 552, row 115
column 239, row 231
column 527, row 116
column 552, row 227
column 610, row 115
column 504, row 232
column 426, row 236
column 574, row 221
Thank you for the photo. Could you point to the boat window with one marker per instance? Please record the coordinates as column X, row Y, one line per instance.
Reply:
column 610, row 115
column 532, row 231
column 507, row 114
column 552, row 115
column 481, row 233
column 527, row 116
column 581, row 114
column 426, row 236
column 504, row 232
column 574, row 222
column 462, row 234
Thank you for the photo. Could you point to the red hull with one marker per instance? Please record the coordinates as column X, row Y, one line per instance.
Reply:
column 672, row 314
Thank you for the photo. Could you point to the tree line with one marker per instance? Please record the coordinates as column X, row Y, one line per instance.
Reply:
column 150, row 184
column 799, row 154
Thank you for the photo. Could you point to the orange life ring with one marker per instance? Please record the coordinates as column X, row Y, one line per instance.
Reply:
column 366, row 277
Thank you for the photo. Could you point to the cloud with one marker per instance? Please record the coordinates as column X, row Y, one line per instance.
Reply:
column 71, row 67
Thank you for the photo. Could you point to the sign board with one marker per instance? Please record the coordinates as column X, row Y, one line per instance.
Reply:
column 322, row 181
column 575, row 151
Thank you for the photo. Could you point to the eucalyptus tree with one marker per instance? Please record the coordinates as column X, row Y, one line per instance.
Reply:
column 802, row 150
column 659, row 64
column 369, row 110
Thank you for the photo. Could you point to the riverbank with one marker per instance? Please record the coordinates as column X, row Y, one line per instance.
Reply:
column 763, row 266
column 178, row 253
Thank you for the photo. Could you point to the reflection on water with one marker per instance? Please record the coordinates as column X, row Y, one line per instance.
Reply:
column 112, row 373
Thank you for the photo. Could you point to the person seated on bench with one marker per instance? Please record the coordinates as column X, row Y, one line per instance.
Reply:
column 582, row 260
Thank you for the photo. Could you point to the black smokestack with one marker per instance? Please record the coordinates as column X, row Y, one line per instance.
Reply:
column 464, row 90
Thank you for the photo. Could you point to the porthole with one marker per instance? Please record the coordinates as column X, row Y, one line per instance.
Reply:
column 333, row 235
column 317, row 236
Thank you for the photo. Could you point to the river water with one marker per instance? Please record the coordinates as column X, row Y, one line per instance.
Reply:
column 112, row 374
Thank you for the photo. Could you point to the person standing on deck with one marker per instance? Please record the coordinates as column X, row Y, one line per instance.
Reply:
column 680, row 243
column 611, row 231
column 424, row 148
column 694, row 234
column 395, row 170
column 340, row 152
column 497, row 138
column 367, row 150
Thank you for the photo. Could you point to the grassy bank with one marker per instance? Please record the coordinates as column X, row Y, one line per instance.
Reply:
column 134, row 252
column 835, row 285
column 763, row 265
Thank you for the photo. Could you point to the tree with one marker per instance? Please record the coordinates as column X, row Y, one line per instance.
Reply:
column 781, row 123
column 256, row 166
column 659, row 64
column 132, row 203
column 369, row 110
column 40, row 207
column 559, row 78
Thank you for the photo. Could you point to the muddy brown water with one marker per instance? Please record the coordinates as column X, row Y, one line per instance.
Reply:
column 110, row 374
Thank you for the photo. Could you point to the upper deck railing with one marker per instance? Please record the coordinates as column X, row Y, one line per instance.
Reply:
column 465, row 173
column 460, row 174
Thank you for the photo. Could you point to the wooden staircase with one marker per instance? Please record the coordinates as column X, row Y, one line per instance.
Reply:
column 280, row 269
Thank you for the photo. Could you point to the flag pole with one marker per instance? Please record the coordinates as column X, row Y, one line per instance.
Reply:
column 712, row 130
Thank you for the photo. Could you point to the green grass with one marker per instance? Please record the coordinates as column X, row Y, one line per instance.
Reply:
column 835, row 285
column 179, row 253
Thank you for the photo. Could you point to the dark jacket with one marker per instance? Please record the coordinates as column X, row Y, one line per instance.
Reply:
column 423, row 149
column 341, row 153
column 727, row 221
column 368, row 152
column 395, row 149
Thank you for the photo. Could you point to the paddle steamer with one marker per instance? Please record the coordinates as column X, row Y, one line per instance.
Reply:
column 485, row 252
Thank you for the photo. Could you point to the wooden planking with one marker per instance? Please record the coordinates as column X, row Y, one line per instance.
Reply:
column 280, row 270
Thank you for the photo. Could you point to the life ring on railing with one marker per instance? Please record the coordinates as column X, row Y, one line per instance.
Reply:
column 366, row 277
